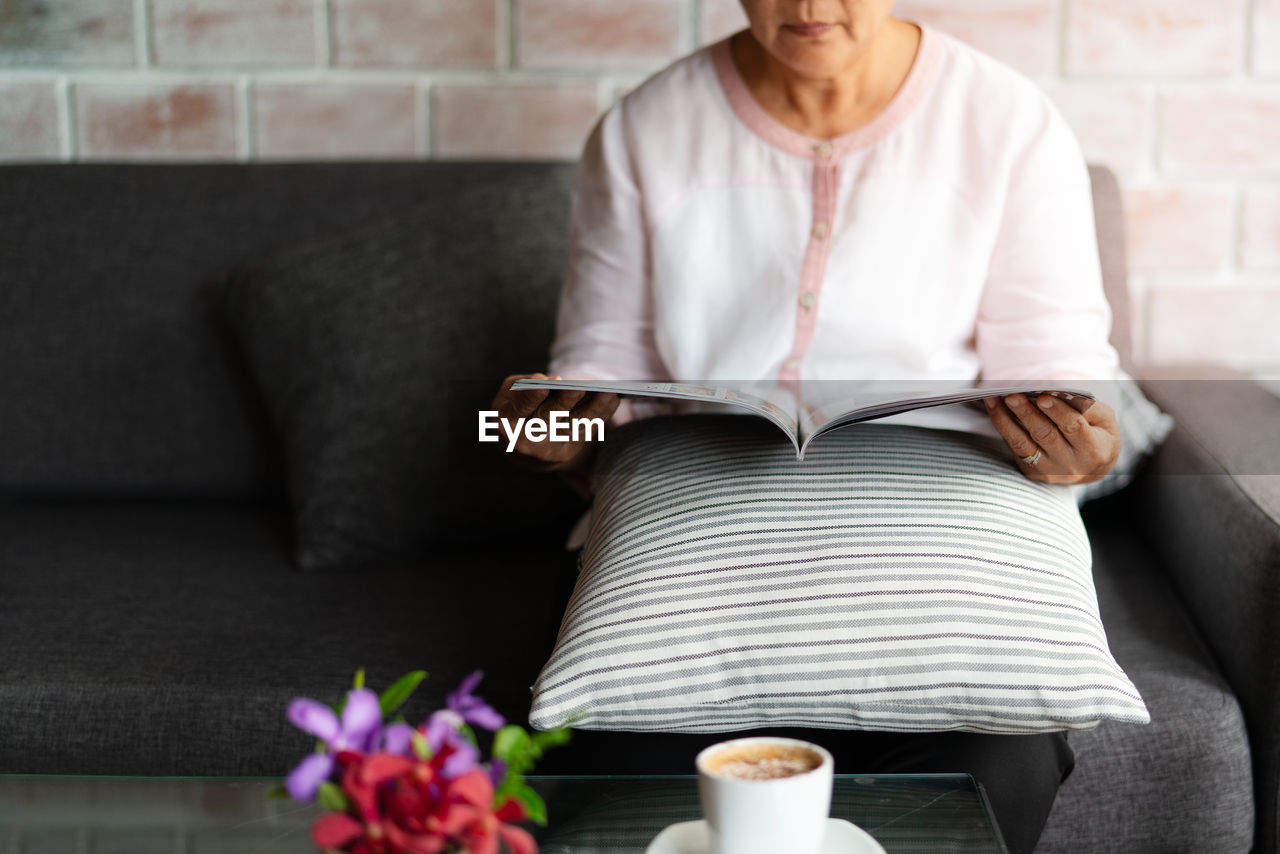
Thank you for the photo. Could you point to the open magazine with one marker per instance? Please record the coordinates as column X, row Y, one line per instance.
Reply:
column 806, row 410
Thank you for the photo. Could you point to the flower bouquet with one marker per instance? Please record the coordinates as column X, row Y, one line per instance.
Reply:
column 391, row 787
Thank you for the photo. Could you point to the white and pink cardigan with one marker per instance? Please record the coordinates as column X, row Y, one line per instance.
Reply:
column 950, row 238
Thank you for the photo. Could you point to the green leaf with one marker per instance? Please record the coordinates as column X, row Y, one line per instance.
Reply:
column 359, row 681
column 400, row 690
column 520, row 750
column 533, row 803
column 420, row 747
column 276, row 793
column 511, row 744
column 332, row 798
column 551, row 738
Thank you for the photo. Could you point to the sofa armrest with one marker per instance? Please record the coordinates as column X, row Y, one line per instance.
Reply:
column 1209, row 505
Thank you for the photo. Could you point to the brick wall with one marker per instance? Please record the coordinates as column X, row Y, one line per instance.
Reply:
column 1180, row 97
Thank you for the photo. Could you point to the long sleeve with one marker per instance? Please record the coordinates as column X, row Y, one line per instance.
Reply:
column 604, row 328
column 1043, row 313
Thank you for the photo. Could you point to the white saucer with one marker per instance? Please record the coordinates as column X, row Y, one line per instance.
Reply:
column 692, row 837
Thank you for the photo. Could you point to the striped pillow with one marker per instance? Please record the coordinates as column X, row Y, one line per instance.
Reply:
column 900, row 578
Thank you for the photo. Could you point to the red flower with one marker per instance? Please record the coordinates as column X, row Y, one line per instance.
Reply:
column 336, row 830
column 364, row 776
column 405, row 806
column 472, row 820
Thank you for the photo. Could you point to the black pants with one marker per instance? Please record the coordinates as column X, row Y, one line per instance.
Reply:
column 1020, row 773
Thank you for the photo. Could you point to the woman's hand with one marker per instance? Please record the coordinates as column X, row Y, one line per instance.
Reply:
column 540, row 403
column 1053, row 441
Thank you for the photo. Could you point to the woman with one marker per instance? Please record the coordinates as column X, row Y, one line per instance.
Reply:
column 835, row 193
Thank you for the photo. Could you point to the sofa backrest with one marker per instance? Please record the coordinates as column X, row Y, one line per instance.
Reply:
column 1108, row 215
column 117, row 375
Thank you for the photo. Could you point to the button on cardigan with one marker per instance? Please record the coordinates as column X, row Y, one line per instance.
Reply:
column 950, row 238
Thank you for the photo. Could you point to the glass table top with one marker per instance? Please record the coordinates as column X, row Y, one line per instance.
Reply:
column 588, row 814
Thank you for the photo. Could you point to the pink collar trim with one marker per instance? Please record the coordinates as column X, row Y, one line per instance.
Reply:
column 774, row 132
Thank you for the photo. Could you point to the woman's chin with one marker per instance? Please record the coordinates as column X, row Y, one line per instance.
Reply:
column 814, row 65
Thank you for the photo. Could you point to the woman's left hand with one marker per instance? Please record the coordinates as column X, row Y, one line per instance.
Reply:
column 1053, row 441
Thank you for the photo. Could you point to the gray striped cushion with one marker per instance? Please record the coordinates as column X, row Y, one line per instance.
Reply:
column 900, row 578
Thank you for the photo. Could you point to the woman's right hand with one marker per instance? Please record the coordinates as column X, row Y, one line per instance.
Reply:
column 540, row 403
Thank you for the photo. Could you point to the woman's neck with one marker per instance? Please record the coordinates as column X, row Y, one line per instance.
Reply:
column 828, row 107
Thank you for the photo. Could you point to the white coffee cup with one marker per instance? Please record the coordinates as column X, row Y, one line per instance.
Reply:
column 749, row 812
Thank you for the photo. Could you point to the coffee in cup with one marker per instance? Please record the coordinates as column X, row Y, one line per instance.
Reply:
column 765, row 795
column 763, row 761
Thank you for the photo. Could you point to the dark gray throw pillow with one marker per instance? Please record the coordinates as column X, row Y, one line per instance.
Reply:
column 374, row 351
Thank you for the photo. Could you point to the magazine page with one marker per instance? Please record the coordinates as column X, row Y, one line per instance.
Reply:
column 829, row 404
column 766, row 399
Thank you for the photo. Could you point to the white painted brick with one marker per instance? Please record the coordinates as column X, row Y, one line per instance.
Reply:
column 1218, row 322
column 1260, row 228
column 1175, row 37
column 1179, row 226
column 1113, row 121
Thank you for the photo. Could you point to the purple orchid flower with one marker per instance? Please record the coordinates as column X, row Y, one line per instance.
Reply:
column 442, row 729
column 397, row 739
column 445, row 727
column 471, row 708
column 358, row 730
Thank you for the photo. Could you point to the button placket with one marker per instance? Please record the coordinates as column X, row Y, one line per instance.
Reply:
column 813, row 269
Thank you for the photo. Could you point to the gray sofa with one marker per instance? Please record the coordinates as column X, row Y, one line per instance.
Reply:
column 154, row 622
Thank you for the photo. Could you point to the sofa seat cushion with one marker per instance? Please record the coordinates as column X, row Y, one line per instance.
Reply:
column 1182, row 782
column 167, row 638
column 152, row 638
